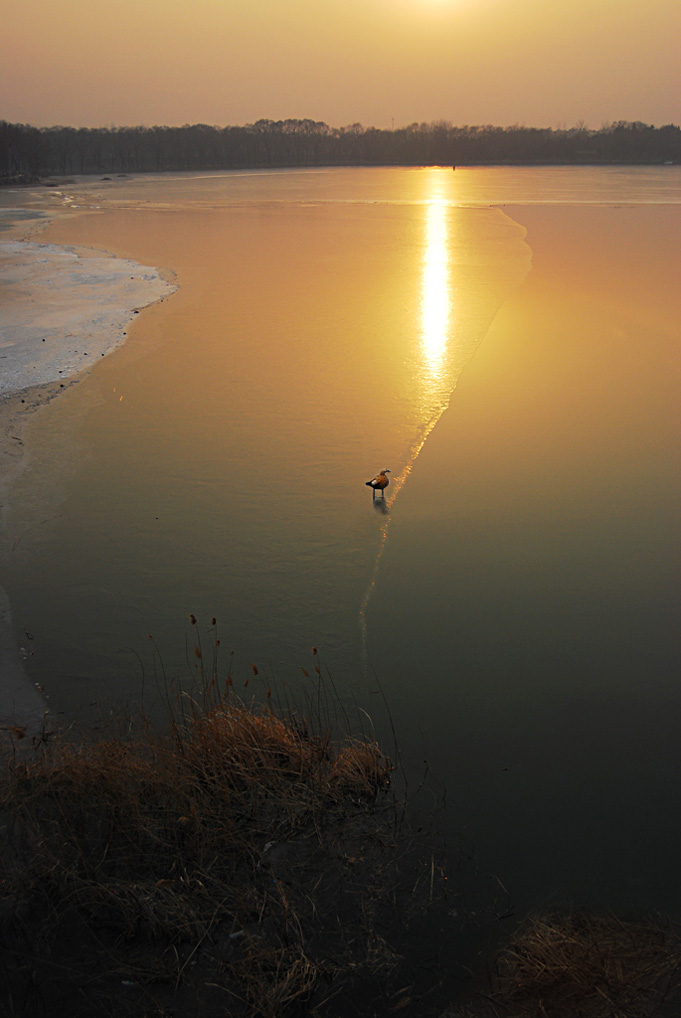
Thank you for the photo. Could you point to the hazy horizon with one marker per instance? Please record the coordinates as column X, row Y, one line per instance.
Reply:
column 382, row 63
column 338, row 127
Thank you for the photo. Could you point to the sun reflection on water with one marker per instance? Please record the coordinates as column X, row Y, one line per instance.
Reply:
column 432, row 350
column 433, row 377
column 436, row 295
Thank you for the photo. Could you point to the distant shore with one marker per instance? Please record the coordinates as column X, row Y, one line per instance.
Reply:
column 304, row 143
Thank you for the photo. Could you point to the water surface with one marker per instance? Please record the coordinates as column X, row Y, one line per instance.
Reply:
column 517, row 370
column 220, row 457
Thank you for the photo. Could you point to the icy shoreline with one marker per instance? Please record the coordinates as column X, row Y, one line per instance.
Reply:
column 63, row 309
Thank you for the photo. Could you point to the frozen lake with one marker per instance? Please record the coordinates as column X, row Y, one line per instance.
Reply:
column 506, row 341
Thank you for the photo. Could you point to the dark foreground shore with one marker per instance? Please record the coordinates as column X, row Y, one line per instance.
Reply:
column 243, row 863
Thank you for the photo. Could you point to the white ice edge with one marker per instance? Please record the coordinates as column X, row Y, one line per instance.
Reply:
column 64, row 308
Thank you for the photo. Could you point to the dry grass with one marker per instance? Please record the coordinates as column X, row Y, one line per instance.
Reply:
column 578, row 964
column 243, row 863
column 239, row 863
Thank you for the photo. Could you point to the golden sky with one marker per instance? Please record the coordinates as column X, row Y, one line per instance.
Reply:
column 378, row 62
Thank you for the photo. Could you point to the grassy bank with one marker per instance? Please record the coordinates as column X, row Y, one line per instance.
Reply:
column 574, row 963
column 235, row 860
column 239, row 861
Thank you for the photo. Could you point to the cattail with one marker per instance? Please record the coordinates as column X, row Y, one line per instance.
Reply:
column 197, row 652
column 192, row 620
column 314, row 650
column 254, row 669
column 306, row 674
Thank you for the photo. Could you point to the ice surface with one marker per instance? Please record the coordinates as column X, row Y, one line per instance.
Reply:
column 63, row 308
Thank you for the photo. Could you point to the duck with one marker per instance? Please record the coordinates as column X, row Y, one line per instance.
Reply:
column 379, row 483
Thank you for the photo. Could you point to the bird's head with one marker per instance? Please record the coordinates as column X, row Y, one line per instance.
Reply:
column 385, row 471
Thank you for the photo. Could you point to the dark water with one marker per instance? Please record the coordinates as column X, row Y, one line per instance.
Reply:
column 538, row 543
column 517, row 595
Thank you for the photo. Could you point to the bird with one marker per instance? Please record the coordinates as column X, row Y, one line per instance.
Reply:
column 379, row 483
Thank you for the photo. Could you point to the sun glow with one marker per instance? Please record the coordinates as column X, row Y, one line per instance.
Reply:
column 436, row 300
column 432, row 375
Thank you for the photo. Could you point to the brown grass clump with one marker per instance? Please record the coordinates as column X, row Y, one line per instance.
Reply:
column 579, row 964
column 237, row 864
column 359, row 769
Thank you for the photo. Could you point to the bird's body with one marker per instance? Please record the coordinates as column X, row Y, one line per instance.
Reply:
column 379, row 483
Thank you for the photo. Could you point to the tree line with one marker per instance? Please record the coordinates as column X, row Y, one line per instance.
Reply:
column 27, row 151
